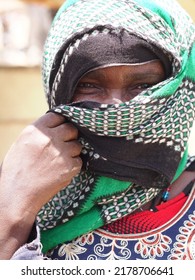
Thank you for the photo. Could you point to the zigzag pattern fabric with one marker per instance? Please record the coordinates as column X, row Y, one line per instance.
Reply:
column 157, row 122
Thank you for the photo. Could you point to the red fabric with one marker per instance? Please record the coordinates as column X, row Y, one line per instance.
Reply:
column 147, row 220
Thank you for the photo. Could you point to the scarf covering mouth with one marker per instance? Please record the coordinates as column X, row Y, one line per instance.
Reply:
column 130, row 150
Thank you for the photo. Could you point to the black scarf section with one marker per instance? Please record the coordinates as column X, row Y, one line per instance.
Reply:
column 96, row 49
column 148, row 165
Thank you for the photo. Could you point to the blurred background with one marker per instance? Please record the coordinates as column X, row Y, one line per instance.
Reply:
column 23, row 28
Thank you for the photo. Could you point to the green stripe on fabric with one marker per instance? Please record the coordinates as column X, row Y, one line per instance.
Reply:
column 104, row 187
column 68, row 231
column 190, row 65
column 158, row 9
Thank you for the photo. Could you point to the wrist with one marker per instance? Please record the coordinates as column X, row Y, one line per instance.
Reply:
column 15, row 230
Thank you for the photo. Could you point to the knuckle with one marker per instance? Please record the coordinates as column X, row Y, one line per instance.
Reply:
column 28, row 130
column 34, row 137
column 72, row 169
column 79, row 162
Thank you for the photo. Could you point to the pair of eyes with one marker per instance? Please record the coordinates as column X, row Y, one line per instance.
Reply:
column 90, row 88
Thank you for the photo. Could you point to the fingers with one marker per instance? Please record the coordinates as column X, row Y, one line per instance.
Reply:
column 50, row 120
column 77, row 165
column 62, row 135
column 59, row 128
column 74, row 148
column 66, row 132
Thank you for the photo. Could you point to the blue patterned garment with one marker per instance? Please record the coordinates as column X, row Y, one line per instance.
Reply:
column 174, row 240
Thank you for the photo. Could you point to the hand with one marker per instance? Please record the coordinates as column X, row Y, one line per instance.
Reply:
column 43, row 160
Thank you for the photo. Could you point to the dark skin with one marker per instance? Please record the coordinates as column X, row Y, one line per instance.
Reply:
column 46, row 156
column 118, row 84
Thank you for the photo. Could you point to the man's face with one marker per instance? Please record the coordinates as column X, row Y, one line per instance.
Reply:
column 118, row 84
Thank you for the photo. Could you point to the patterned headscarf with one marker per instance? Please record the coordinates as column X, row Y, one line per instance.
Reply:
column 147, row 137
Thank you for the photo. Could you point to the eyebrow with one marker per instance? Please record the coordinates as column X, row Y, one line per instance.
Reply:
column 141, row 76
column 128, row 76
column 94, row 75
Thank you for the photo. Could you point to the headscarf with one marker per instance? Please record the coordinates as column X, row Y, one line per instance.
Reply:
column 131, row 150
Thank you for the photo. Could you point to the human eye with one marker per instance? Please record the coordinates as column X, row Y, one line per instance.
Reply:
column 143, row 86
column 136, row 89
column 87, row 88
column 85, row 85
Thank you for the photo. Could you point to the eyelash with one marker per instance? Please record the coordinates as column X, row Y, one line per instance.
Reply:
column 88, row 85
column 143, row 86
